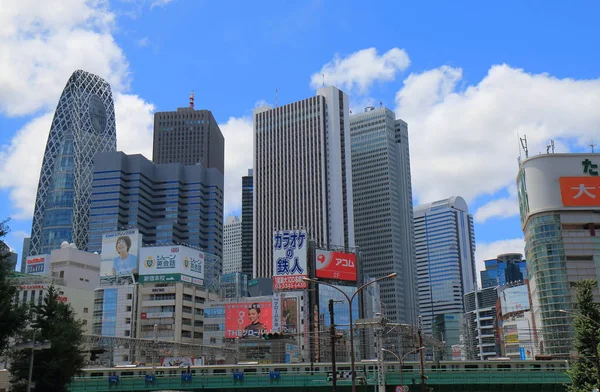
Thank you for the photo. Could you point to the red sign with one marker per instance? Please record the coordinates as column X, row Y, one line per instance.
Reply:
column 248, row 319
column 144, row 315
column 336, row 265
column 32, row 287
column 289, row 282
column 62, row 299
column 36, row 260
column 580, row 191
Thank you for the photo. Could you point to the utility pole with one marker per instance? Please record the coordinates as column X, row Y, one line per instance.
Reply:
column 421, row 356
column 332, row 333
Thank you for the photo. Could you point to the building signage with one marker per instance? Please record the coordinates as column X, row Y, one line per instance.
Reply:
column 248, row 320
column 33, row 287
column 276, row 313
column 154, row 315
column 160, row 327
column 289, row 259
column 335, row 265
column 38, row 265
column 171, row 264
column 120, row 250
column 589, row 167
column 580, row 191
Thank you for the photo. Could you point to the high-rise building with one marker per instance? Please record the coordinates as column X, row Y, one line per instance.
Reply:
column 168, row 203
column 302, row 173
column 558, row 201
column 25, row 253
column 480, row 320
column 232, row 245
column 383, row 211
column 189, row 137
column 83, row 126
column 445, row 247
column 247, row 222
column 505, row 269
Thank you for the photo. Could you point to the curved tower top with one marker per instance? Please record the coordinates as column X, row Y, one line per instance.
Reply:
column 83, row 126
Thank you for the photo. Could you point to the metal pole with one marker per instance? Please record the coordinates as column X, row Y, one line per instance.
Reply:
column 332, row 332
column 31, row 363
column 421, row 359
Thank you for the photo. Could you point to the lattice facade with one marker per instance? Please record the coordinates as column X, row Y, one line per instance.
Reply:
column 83, row 125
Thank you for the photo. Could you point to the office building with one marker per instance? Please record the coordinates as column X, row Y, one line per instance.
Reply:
column 232, row 245
column 383, row 211
column 448, row 328
column 83, row 126
column 247, row 222
column 518, row 339
column 233, row 285
column 189, row 137
column 481, row 326
column 505, row 269
column 302, row 174
column 24, row 253
column 168, row 203
column 11, row 259
column 445, row 248
column 558, row 201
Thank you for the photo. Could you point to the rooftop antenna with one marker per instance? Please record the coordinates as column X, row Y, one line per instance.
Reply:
column 524, row 145
column 192, row 99
column 380, row 104
column 323, row 80
column 592, row 145
column 276, row 97
column 550, row 147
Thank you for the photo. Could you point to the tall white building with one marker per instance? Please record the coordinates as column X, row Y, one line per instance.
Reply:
column 445, row 247
column 383, row 211
column 302, row 173
column 232, row 245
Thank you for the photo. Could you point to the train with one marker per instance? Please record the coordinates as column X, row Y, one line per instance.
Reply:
column 362, row 367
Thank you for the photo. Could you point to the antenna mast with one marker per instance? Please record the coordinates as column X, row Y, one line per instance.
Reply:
column 192, row 99
column 592, row 145
column 276, row 98
column 524, row 145
column 323, row 80
column 550, row 147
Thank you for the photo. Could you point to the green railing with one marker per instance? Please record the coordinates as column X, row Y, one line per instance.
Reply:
column 314, row 380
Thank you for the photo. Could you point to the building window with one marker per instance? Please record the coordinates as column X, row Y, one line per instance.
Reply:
column 85, row 310
column 127, row 332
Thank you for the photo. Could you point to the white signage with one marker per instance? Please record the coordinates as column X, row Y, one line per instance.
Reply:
column 120, row 252
column 169, row 260
column 289, row 259
column 38, row 265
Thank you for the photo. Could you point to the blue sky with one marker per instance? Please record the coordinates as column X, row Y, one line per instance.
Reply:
column 467, row 76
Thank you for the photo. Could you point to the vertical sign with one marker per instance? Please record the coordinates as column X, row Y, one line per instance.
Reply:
column 289, row 259
column 276, row 313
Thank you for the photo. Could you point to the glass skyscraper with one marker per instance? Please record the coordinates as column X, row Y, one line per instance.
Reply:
column 83, row 125
column 445, row 246
column 383, row 211
column 506, row 268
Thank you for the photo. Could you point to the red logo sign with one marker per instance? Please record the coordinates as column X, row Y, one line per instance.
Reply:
column 36, row 260
column 144, row 315
column 336, row 265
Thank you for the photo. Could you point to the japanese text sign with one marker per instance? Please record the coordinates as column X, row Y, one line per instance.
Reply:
column 289, row 259
column 580, row 191
column 335, row 265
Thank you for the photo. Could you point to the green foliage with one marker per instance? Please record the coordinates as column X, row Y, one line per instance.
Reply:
column 55, row 322
column 584, row 371
column 12, row 316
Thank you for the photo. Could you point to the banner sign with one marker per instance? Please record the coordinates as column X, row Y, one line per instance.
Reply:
column 248, row 319
column 335, row 265
column 289, row 259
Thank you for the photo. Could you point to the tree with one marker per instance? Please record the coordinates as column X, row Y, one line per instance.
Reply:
column 585, row 371
column 12, row 316
column 54, row 368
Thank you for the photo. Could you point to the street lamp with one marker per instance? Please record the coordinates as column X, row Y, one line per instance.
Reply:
column 33, row 346
column 401, row 360
column 349, row 299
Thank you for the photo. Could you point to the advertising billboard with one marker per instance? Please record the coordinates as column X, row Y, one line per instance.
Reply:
column 171, row 264
column 580, row 191
column 248, row 319
column 120, row 252
column 514, row 299
column 335, row 265
column 289, row 259
column 289, row 315
column 38, row 265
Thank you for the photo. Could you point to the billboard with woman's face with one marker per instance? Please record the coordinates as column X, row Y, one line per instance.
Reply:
column 120, row 252
column 248, row 319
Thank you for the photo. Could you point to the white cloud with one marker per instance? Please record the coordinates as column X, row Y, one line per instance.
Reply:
column 489, row 250
column 160, row 3
column 464, row 141
column 499, row 208
column 238, row 159
column 143, row 42
column 40, row 47
column 361, row 69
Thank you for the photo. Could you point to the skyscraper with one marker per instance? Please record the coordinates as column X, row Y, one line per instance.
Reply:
column 383, row 212
column 169, row 203
column 302, row 173
column 559, row 202
column 232, row 245
column 83, row 126
column 189, row 137
column 247, row 222
column 505, row 269
column 445, row 247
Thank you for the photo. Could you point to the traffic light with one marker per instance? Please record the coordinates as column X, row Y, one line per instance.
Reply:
column 95, row 352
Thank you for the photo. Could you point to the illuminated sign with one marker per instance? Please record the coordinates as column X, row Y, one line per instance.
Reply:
column 336, row 265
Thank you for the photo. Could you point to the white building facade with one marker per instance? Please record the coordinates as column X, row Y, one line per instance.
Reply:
column 302, row 173
column 232, row 245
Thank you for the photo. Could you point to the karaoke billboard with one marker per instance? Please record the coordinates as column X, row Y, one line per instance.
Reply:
column 289, row 259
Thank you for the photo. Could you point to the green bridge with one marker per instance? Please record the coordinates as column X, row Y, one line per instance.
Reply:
column 437, row 381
